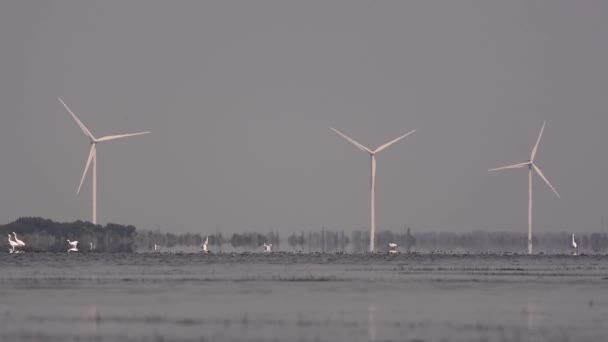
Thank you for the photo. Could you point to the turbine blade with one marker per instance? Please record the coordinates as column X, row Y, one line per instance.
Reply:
column 537, row 142
column 114, row 137
column 514, row 166
column 392, row 142
column 80, row 124
column 86, row 168
column 540, row 173
column 359, row 146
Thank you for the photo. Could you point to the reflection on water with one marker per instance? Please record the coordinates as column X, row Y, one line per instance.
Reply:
column 290, row 297
column 532, row 314
column 372, row 322
column 93, row 317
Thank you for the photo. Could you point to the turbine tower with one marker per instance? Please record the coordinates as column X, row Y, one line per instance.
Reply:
column 372, row 153
column 93, row 155
column 531, row 165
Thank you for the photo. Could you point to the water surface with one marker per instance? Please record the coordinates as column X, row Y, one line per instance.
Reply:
column 302, row 297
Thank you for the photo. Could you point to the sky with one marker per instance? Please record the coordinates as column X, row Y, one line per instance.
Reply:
column 240, row 97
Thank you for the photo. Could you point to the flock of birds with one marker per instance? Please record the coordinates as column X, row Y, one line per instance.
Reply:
column 15, row 244
column 205, row 247
column 18, row 246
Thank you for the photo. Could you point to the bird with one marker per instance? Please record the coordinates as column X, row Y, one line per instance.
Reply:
column 205, row 250
column 74, row 245
column 574, row 246
column 392, row 248
column 267, row 247
column 91, row 246
column 156, row 248
column 19, row 242
column 12, row 243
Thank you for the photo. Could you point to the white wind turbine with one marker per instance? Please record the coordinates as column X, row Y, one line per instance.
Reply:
column 93, row 155
column 372, row 154
column 531, row 165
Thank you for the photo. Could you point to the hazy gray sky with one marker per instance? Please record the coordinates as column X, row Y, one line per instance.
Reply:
column 240, row 96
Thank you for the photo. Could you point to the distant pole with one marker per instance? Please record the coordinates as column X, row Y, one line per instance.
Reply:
column 309, row 242
column 95, row 188
column 530, row 211
column 323, row 240
column 217, row 239
column 372, row 232
column 410, row 239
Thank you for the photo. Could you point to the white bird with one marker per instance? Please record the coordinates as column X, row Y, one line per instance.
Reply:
column 531, row 166
column 205, row 250
column 267, row 247
column 392, row 248
column 12, row 243
column 19, row 242
column 91, row 246
column 372, row 153
column 74, row 245
column 156, row 247
column 93, row 155
column 574, row 246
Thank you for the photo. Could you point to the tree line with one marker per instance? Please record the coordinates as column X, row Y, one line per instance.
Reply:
column 331, row 241
column 247, row 241
column 43, row 235
column 323, row 241
column 48, row 236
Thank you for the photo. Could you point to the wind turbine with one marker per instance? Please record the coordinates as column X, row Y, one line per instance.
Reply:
column 531, row 165
column 372, row 154
column 93, row 155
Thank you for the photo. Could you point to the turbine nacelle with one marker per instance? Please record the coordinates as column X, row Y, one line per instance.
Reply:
column 365, row 149
column 531, row 166
column 90, row 135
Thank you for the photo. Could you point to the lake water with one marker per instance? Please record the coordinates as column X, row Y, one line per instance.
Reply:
column 299, row 297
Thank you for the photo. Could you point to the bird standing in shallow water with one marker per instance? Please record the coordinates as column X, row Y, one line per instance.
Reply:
column 19, row 242
column 12, row 243
column 574, row 246
column 392, row 248
column 204, row 246
column 267, row 247
column 74, row 245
